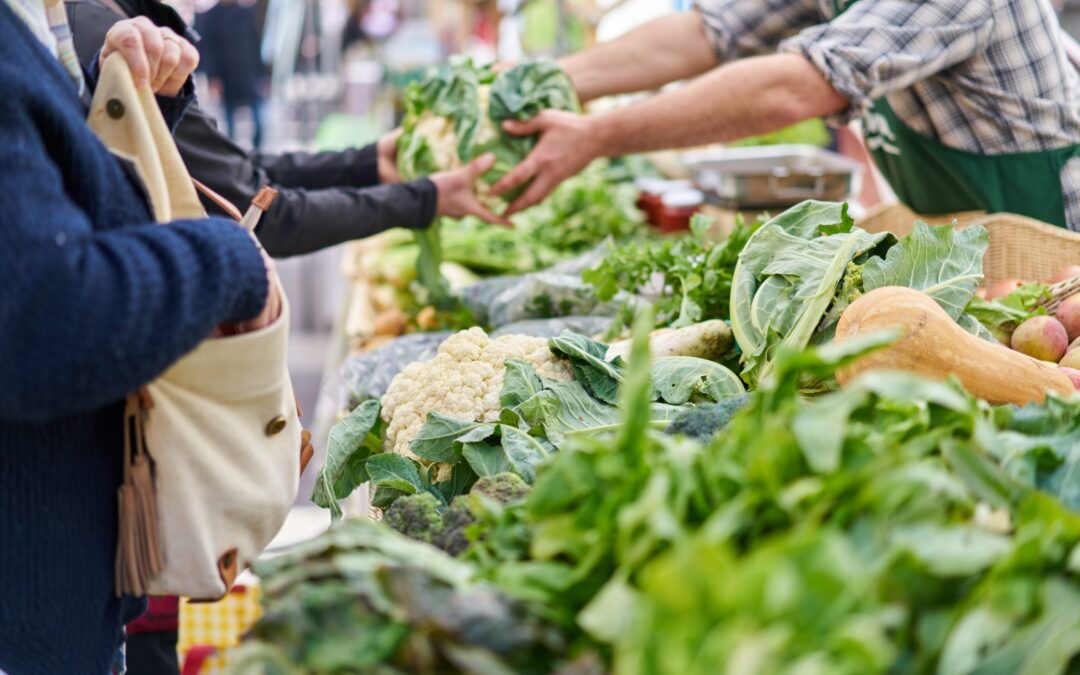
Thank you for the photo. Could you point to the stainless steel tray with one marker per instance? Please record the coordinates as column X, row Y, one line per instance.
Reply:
column 774, row 176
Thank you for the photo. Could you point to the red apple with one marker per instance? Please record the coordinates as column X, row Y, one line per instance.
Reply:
column 1071, row 360
column 1001, row 288
column 1073, row 374
column 1068, row 313
column 1065, row 274
column 1041, row 337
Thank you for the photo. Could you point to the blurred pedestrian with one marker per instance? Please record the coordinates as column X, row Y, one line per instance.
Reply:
column 231, row 59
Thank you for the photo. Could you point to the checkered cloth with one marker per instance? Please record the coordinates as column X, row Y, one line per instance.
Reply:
column 47, row 20
column 218, row 625
column 988, row 77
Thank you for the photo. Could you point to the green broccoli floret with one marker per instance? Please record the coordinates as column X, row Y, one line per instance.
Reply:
column 456, row 519
column 703, row 421
column 416, row 516
column 465, row 511
column 503, row 488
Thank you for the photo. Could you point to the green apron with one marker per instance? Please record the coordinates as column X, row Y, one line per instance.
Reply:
column 933, row 179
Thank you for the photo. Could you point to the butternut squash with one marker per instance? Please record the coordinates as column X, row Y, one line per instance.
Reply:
column 933, row 345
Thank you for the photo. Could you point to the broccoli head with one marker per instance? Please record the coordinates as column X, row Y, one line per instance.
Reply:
column 453, row 538
column 702, row 422
column 416, row 516
column 503, row 488
column 423, row 517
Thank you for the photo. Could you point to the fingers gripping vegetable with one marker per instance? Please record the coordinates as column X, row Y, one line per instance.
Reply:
column 933, row 345
column 455, row 116
column 463, row 381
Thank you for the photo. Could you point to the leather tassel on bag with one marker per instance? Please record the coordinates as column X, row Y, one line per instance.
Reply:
column 138, row 556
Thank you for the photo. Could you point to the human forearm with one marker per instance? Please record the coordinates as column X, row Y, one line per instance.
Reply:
column 746, row 98
column 671, row 48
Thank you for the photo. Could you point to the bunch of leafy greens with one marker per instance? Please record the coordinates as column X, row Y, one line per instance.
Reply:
column 583, row 212
column 809, row 132
column 597, row 205
column 866, row 531
column 538, row 417
column 365, row 599
column 688, row 277
column 898, row 526
column 1001, row 316
column 454, row 116
column 800, row 270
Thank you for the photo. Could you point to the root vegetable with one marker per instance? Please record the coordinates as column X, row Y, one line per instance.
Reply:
column 1041, row 337
column 391, row 322
column 710, row 340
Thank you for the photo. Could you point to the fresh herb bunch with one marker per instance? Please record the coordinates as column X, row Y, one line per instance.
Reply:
column 582, row 213
column 690, row 276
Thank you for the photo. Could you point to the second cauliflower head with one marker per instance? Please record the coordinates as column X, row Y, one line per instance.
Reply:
column 463, row 381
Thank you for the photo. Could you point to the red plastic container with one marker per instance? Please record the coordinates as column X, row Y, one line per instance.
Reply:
column 652, row 191
column 677, row 207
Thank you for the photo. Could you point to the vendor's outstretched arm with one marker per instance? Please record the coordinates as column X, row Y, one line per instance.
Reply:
column 746, row 98
column 671, row 48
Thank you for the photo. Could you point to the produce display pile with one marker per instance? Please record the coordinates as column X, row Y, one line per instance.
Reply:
column 792, row 467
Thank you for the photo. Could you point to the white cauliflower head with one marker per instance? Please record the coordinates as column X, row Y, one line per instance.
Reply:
column 438, row 131
column 463, row 381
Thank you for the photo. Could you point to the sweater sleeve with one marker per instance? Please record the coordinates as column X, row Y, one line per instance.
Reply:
column 87, row 316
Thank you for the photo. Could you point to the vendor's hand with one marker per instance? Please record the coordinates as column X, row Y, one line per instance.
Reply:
column 158, row 57
column 386, row 150
column 568, row 143
column 457, row 196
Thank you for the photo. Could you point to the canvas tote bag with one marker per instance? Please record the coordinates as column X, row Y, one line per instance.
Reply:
column 212, row 447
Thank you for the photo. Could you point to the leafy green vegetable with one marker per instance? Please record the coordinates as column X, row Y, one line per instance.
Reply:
column 363, row 598
column 677, row 379
column 455, row 115
column 702, row 422
column 943, row 262
column 695, row 273
column 583, row 212
column 787, row 277
column 809, row 132
column 896, row 526
column 803, row 268
column 352, row 441
column 1003, row 315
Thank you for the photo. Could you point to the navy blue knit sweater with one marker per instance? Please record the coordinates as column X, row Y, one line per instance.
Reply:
column 95, row 302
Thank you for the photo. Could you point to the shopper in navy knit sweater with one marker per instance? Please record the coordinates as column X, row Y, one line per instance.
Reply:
column 95, row 302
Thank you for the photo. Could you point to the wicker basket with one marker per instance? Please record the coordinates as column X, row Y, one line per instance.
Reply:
column 1020, row 247
column 900, row 220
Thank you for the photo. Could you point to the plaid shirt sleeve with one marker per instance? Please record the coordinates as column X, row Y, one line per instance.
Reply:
column 742, row 28
column 878, row 47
